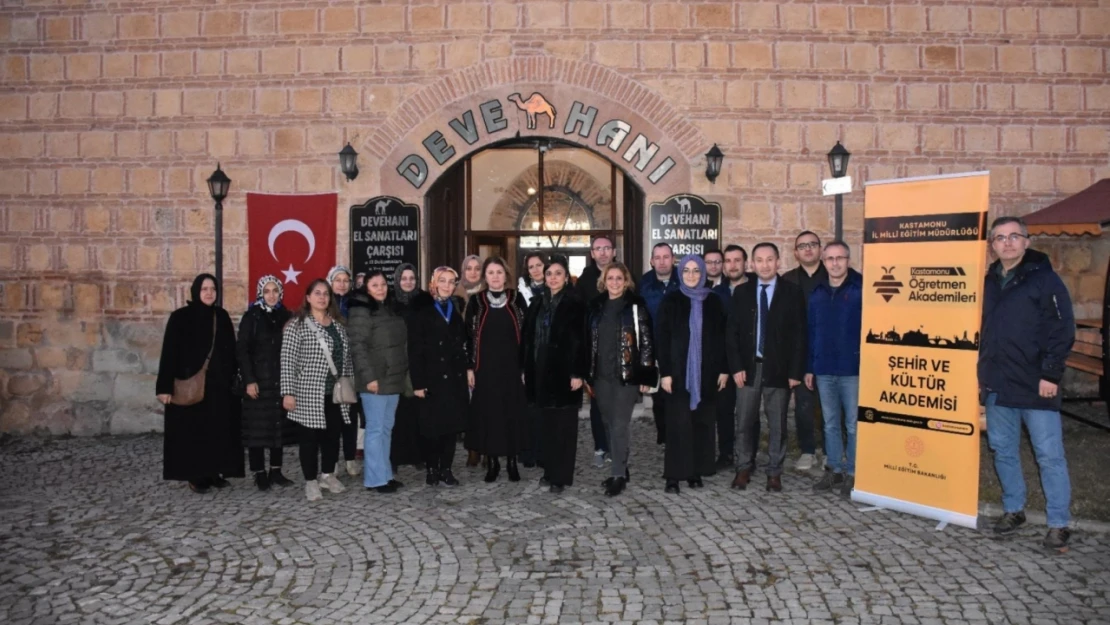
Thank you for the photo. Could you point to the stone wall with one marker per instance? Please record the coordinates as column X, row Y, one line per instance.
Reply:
column 112, row 116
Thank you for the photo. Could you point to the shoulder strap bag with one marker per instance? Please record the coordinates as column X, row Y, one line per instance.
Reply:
column 190, row 391
column 344, row 390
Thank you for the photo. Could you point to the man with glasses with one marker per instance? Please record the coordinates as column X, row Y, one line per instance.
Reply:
column 714, row 268
column 1027, row 334
column 602, row 252
column 808, row 274
column 834, row 319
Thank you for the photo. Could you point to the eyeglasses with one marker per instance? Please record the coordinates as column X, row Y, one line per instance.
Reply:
column 835, row 259
column 713, row 262
column 603, row 248
column 808, row 246
column 1013, row 237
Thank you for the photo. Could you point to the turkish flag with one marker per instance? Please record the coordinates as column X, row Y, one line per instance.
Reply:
column 293, row 238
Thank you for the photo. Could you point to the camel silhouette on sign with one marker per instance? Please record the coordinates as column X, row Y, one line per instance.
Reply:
column 683, row 204
column 380, row 207
column 535, row 105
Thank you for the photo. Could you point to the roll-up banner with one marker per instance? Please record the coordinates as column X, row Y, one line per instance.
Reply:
column 924, row 255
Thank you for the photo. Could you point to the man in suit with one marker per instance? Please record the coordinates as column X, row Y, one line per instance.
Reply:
column 766, row 342
column 734, row 275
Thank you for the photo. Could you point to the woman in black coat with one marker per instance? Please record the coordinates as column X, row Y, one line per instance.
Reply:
column 554, row 353
column 437, row 367
column 693, row 368
column 258, row 352
column 404, row 445
column 201, row 444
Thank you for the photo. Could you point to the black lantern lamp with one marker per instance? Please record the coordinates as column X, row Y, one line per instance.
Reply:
column 838, row 160
column 713, row 160
column 348, row 162
column 218, row 186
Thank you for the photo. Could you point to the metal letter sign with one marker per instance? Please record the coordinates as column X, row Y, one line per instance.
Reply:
column 385, row 233
column 690, row 224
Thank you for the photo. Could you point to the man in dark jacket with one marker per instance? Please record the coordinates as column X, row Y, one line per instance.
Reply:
column 809, row 273
column 735, row 274
column 654, row 286
column 835, row 317
column 766, row 343
column 602, row 252
column 1027, row 333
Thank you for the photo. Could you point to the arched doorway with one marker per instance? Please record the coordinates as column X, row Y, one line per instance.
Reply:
column 533, row 194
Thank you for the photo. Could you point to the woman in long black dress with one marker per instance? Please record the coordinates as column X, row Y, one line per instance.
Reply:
column 258, row 349
column 202, row 444
column 405, row 447
column 437, row 365
column 555, row 358
column 493, row 318
column 693, row 368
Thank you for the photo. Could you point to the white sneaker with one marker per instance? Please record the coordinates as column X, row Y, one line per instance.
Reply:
column 328, row 482
column 312, row 491
column 805, row 462
column 339, row 468
column 354, row 467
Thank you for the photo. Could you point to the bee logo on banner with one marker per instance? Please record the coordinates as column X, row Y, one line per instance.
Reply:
column 688, row 223
column 385, row 232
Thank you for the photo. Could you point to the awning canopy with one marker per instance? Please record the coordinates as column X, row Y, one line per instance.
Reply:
column 1085, row 212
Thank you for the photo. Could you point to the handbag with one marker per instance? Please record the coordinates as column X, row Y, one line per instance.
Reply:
column 644, row 376
column 344, row 390
column 190, row 391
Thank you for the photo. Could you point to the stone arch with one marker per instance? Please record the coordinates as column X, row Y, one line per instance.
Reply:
column 561, row 81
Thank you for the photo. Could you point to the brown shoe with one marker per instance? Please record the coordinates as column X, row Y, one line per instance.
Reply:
column 774, row 484
column 740, row 482
column 473, row 458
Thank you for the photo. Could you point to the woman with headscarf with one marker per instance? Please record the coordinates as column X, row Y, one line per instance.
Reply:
column 493, row 318
column 201, row 444
column 405, row 447
column 531, row 283
column 258, row 349
column 693, row 368
column 315, row 353
column 555, row 360
column 437, row 367
column 621, row 363
column 471, row 280
column 339, row 277
column 379, row 344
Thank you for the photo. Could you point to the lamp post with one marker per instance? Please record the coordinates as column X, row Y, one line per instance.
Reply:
column 838, row 164
column 713, row 160
column 218, row 185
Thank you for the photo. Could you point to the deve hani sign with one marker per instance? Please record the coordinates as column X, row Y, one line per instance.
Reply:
column 580, row 122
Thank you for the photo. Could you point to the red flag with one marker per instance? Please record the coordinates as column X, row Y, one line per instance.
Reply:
column 293, row 238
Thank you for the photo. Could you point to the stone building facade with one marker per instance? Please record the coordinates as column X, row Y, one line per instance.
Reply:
column 113, row 115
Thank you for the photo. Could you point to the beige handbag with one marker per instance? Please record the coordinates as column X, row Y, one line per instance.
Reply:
column 344, row 390
column 190, row 391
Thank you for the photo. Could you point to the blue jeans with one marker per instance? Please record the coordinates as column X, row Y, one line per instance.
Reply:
column 380, row 411
column 840, row 405
column 1047, row 436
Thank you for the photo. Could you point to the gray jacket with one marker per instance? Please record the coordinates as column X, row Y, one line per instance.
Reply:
column 379, row 344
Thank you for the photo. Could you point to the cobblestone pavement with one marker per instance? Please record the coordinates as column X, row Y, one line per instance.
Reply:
column 89, row 533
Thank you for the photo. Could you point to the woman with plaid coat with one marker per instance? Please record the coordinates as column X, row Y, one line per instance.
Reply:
column 307, row 382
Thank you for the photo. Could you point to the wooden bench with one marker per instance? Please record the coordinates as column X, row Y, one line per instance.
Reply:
column 1086, row 356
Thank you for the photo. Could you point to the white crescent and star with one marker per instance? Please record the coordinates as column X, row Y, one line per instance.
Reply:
column 299, row 227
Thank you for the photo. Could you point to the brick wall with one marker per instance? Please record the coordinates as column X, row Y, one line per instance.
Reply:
column 111, row 119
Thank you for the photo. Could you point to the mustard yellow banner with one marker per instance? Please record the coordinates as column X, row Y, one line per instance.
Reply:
column 924, row 256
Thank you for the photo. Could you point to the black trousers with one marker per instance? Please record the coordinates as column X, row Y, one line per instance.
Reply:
column 690, row 435
column 439, row 451
column 560, row 442
column 319, row 449
column 258, row 459
column 349, row 432
column 532, row 452
column 659, row 413
column 726, row 419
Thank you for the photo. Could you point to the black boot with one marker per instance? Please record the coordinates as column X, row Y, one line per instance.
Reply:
column 448, row 478
column 432, row 477
column 277, row 478
column 494, row 469
column 511, row 468
column 262, row 480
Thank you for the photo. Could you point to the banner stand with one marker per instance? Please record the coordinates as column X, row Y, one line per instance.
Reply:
column 928, row 512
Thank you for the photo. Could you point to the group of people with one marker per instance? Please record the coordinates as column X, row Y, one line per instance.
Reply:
column 507, row 364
